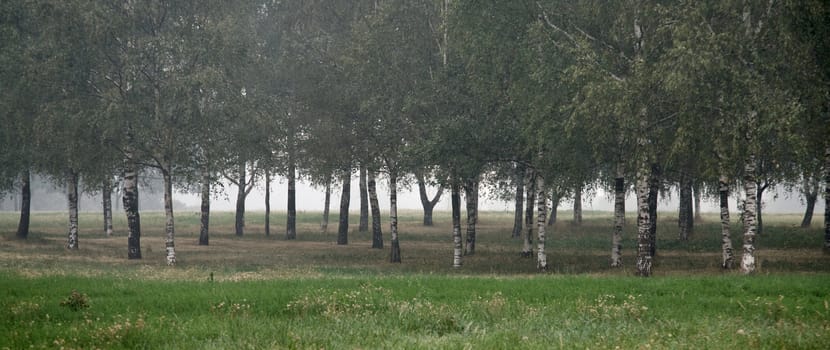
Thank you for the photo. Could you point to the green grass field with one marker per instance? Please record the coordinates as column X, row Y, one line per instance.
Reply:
column 264, row 292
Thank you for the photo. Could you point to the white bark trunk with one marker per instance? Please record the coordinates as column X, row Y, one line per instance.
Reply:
column 643, row 222
column 748, row 263
column 72, row 199
column 728, row 258
column 170, row 233
column 541, row 223
column 106, row 202
column 456, row 224
column 130, row 201
column 619, row 217
column 527, row 247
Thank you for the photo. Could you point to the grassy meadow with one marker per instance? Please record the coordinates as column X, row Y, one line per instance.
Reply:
column 263, row 292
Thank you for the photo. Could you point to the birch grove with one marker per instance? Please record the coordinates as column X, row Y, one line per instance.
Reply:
column 456, row 93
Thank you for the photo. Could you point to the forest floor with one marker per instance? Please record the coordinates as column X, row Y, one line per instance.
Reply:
column 259, row 291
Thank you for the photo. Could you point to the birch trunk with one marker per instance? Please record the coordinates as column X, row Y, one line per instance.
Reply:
column 170, row 233
column 827, row 197
column 728, row 259
column 268, row 202
column 395, row 254
column 527, row 247
column 377, row 232
column 239, row 223
column 685, row 208
column 644, row 240
column 426, row 203
column 324, row 224
column 456, row 224
column 578, row 206
column 130, row 202
column 519, row 201
column 204, row 230
column 811, row 197
column 471, row 197
column 653, row 192
column 25, row 205
column 542, row 209
column 345, row 198
column 291, row 215
column 750, row 204
column 72, row 199
column 619, row 217
column 106, row 202
column 364, row 202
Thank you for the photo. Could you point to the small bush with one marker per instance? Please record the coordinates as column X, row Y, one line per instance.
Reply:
column 76, row 301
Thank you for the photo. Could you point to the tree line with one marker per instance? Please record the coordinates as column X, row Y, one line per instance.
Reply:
column 540, row 100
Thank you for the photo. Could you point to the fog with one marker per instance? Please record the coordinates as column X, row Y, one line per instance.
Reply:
column 312, row 199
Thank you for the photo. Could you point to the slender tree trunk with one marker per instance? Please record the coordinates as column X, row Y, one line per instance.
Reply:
column 324, row 225
column 726, row 238
column 685, row 211
column 518, row 214
column 170, row 233
column 395, row 254
column 106, row 194
column 644, row 250
column 619, row 217
column 364, row 202
column 653, row 192
column 239, row 223
column 827, row 197
column 527, row 247
column 751, row 203
column 345, row 198
column 426, row 203
column 542, row 209
column 554, row 207
column 72, row 199
column 268, row 202
column 25, row 205
column 696, row 189
column 810, row 191
column 291, row 216
column 204, row 230
column 456, row 223
column 578, row 206
column 377, row 233
column 130, row 201
column 646, row 186
column 471, row 197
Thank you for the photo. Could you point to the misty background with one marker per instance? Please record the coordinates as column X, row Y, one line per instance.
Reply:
column 47, row 196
